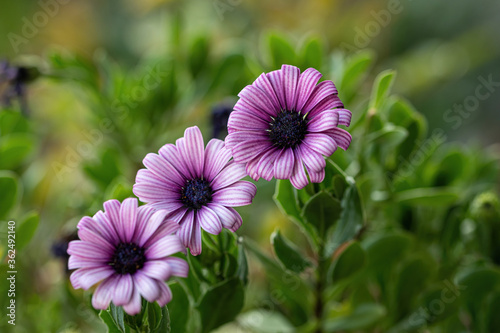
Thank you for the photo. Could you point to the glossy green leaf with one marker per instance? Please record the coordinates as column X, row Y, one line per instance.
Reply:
column 242, row 271
column 351, row 219
column 10, row 193
column 198, row 55
column 227, row 71
column 158, row 318
column 321, row 211
column 288, row 254
column 339, row 186
column 119, row 189
column 26, row 230
column 312, row 54
column 284, row 197
column 164, row 325
column 381, row 88
column 14, row 148
column 221, row 304
column 351, row 260
column 114, row 319
column 361, row 317
column 410, row 282
column 389, row 135
column 178, row 308
column 356, row 69
column 112, row 327
column 451, row 168
column 431, row 196
column 385, row 249
column 477, row 282
column 280, row 50
column 230, row 266
column 106, row 169
column 400, row 112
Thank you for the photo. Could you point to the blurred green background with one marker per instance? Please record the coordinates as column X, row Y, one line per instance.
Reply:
column 121, row 78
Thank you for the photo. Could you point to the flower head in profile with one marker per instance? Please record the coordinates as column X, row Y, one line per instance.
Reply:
column 198, row 185
column 285, row 121
column 128, row 250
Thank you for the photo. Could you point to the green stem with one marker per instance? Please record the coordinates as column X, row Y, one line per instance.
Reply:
column 320, row 286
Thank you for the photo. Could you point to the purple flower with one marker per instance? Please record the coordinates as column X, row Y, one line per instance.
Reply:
column 284, row 121
column 128, row 249
column 197, row 185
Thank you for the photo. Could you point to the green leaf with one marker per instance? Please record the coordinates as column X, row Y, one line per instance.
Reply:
column 451, row 168
column 109, row 322
column 119, row 189
column 227, row 71
column 385, row 249
column 114, row 319
column 321, row 211
column 230, row 266
column 242, row 272
column 26, row 230
column 106, row 170
column 388, row 136
column 356, row 69
column 339, row 185
column 118, row 316
column 493, row 320
column 164, row 326
column 381, row 89
column 12, row 122
column 221, row 304
column 296, row 295
column 198, row 55
column 10, row 193
column 362, row 317
column 477, row 282
column 400, row 112
column 411, row 281
column 284, row 197
column 178, row 308
column 288, row 254
column 350, row 261
column 263, row 321
column 155, row 316
column 14, row 148
column 312, row 54
column 281, row 51
column 429, row 196
column 351, row 219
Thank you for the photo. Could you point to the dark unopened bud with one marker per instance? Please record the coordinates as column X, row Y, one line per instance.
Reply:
column 13, row 81
column 59, row 247
column 220, row 116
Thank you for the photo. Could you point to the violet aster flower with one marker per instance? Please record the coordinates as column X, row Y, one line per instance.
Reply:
column 128, row 249
column 199, row 186
column 284, row 121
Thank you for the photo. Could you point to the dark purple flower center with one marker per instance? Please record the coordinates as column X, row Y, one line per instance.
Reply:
column 128, row 258
column 196, row 193
column 288, row 129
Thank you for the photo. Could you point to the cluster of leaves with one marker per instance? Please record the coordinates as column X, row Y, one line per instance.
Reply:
column 212, row 295
column 17, row 144
column 403, row 231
